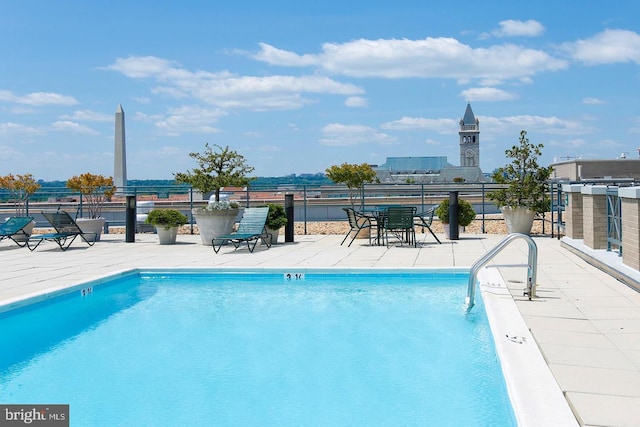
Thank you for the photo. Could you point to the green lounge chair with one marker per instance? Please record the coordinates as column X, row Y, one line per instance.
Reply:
column 13, row 229
column 66, row 231
column 252, row 228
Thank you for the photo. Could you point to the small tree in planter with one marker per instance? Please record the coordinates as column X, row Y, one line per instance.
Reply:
column 21, row 187
column 353, row 176
column 276, row 219
column 94, row 190
column 527, row 191
column 466, row 213
column 216, row 169
column 166, row 222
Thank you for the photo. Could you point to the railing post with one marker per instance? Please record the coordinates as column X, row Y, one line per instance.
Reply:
column 453, row 216
column 595, row 216
column 630, row 197
column 289, row 210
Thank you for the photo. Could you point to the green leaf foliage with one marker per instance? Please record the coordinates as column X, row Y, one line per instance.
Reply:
column 527, row 181
column 466, row 213
column 166, row 218
column 216, row 169
column 277, row 217
column 354, row 176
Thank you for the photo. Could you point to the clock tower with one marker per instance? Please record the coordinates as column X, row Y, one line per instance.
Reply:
column 469, row 139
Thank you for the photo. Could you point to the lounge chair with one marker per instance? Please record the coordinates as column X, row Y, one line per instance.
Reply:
column 252, row 228
column 357, row 223
column 66, row 231
column 13, row 229
column 424, row 220
column 399, row 222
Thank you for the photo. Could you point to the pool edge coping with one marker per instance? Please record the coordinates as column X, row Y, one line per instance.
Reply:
column 535, row 395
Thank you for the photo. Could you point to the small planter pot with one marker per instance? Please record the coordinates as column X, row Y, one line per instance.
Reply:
column 167, row 236
column 447, row 230
column 274, row 235
column 91, row 227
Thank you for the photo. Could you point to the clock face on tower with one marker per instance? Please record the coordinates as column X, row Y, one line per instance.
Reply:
column 469, row 152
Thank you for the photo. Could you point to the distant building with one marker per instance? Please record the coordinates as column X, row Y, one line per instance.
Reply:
column 610, row 169
column 438, row 169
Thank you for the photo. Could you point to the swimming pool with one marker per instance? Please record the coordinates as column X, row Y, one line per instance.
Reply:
column 259, row 348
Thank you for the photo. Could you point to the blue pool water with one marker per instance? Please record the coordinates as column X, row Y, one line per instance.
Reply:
column 257, row 349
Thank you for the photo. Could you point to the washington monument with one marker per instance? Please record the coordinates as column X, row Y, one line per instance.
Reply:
column 120, row 153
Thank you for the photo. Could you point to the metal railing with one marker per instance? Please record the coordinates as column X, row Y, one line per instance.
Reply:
column 614, row 220
column 532, row 266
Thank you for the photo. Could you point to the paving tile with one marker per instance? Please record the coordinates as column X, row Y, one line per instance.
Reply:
column 604, row 410
column 586, row 356
column 597, row 380
column 572, row 338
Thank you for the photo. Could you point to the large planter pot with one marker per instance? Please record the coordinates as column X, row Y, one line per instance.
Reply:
column 214, row 223
column 91, row 227
column 167, row 236
column 518, row 220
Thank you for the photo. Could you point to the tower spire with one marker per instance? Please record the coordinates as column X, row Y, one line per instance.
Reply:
column 120, row 153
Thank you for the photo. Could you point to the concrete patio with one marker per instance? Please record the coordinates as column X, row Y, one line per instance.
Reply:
column 585, row 322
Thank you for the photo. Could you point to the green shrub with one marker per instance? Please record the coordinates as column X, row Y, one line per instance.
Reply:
column 166, row 218
column 466, row 213
column 277, row 218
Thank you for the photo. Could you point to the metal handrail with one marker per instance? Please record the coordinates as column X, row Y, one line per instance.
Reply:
column 532, row 265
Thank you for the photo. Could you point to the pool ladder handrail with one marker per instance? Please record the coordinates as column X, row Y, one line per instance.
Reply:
column 532, row 266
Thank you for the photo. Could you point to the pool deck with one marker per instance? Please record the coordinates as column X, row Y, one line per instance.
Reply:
column 585, row 322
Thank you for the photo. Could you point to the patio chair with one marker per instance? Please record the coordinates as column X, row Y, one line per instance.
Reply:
column 252, row 228
column 13, row 229
column 399, row 222
column 357, row 223
column 424, row 220
column 66, row 231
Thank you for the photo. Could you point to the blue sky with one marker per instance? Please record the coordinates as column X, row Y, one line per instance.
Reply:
column 296, row 88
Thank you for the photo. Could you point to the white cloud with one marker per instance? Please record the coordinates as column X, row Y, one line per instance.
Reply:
column 607, row 47
column 593, row 101
column 543, row 125
column 37, row 99
column 443, row 126
column 69, row 126
column 337, row 134
column 88, row 116
column 272, row 55
column 516, row 28
column 356, row 101
column 18, row 129
column 189, row 119
column 427, row 58
column 487, row 94
column 226, row 90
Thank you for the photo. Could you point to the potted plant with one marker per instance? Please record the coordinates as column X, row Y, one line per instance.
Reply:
column 526, row 191
column 466, row 214
column 94, row 191
column 353, row 176
column 20, row 187
column 276, row 219
column 166, row 222
column 216, row 169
